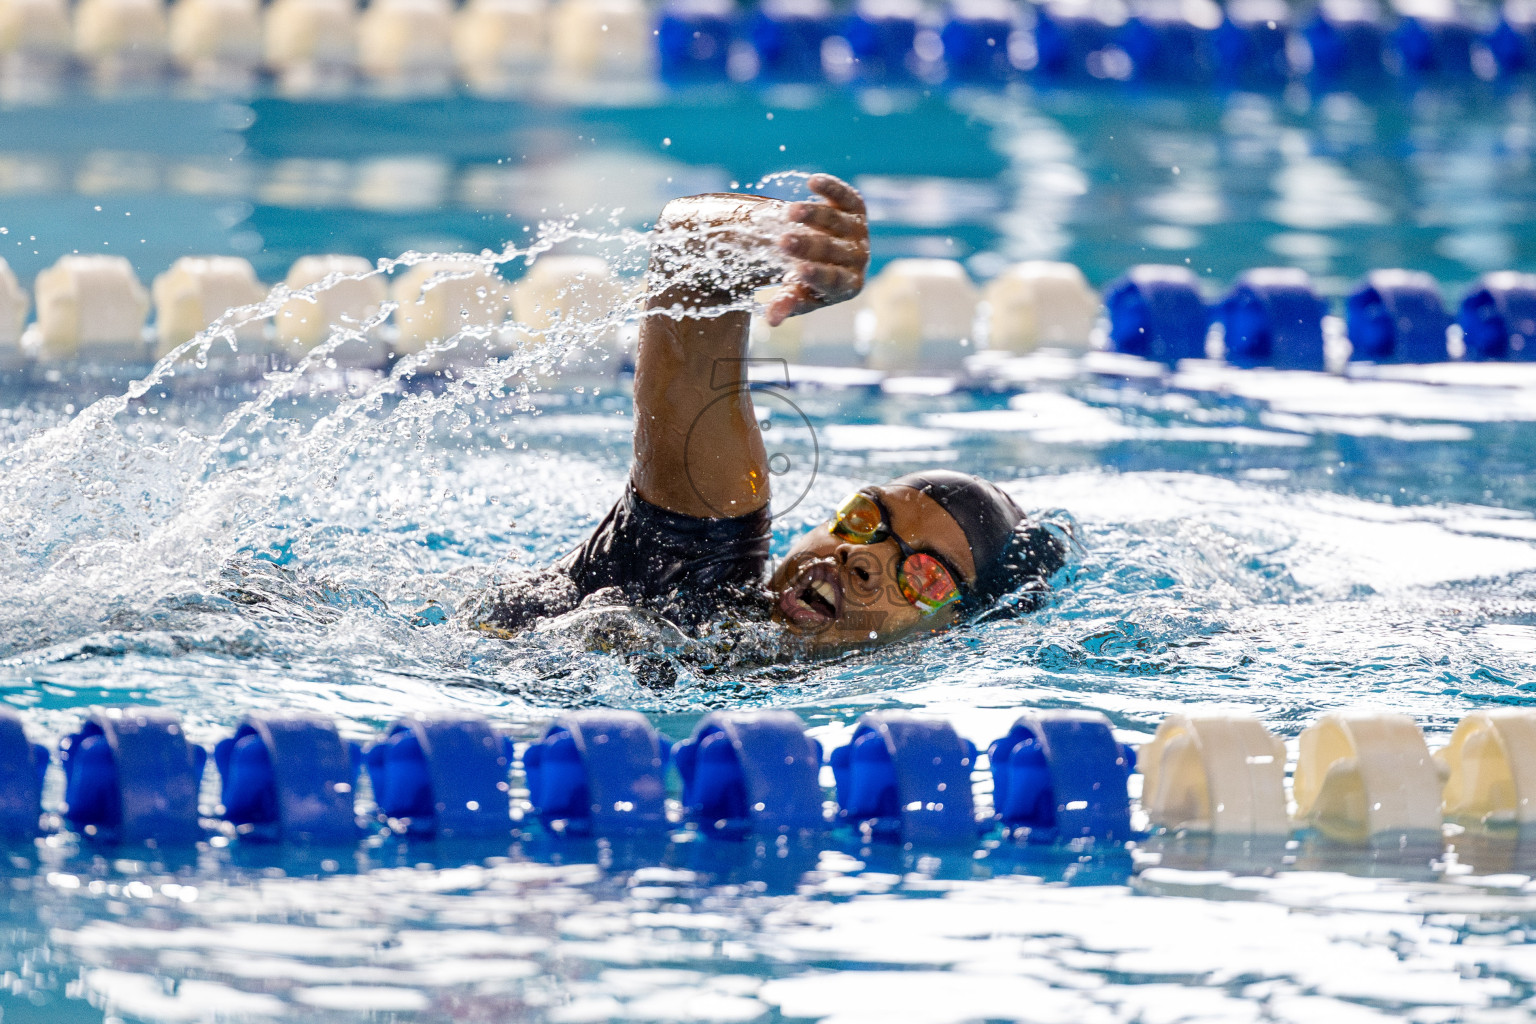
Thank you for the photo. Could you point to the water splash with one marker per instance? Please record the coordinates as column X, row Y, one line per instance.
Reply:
column 167, row 511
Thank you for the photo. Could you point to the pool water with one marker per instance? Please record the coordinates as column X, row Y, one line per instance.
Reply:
column 1279, row 544
column 1430, row 180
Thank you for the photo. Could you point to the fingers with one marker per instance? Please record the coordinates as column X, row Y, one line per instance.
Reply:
column 831, row 250
column 830, row 219
column 812, row 286
column 828, row 283
column 837, row 192
column 815, row 247
column 791, row 300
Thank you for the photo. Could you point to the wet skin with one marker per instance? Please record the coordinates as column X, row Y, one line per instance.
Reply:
column 833, row 594
column 698, row 449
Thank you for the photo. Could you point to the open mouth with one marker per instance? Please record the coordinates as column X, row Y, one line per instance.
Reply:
column 814, row 597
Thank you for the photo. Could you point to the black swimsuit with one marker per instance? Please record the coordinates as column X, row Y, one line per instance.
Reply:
column 686, row 568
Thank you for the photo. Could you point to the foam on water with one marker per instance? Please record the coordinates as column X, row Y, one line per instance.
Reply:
column 300, row 544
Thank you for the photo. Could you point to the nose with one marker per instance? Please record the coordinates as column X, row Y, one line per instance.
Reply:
column 860, row 567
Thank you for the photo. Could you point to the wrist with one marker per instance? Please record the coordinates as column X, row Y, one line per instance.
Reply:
column 714, row 250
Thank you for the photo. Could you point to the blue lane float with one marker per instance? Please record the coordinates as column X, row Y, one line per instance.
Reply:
column 751, row 773
column 599, row 772
column 1061, row 776
column 1434, row 44
column 788, row 36
column 1075, row 42
column 289, row 778
column 23, row 765
column 693, row 40
column 906, row 778
column 1345, row 41
column 131, row 776
column 1498, row 317
column 443, row 776
column 978, row 39
column 1273, row 317
column 1250, row 44
column 1172, row 41
column 1156, row 312
column 881, row 36
column 1396, row 316
column 1512, row 43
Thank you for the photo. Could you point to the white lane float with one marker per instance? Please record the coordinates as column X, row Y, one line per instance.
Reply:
column 1223, row 774
column 439, row 299
column 822, row 337
column 121, row 39
column 216, row 41
column 563, row 292
column 311, row 45
column 351, row 292
column 34, row 29
column 1366, row 774
column 90, row 307
column 602, row 41
column 407, row 44
column 1490, row 767
column 919, row 316
column 13, row 318
column 500, row 43
column 1038, row 304
column 198, row 290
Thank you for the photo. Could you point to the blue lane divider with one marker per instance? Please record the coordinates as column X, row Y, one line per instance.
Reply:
column 444, row 775
column 788, row 37
column 1074, row 43
column 1171, row 41
column 978, row 39
column 1273, row 317
column 1435, row 46
column 1250, row 45
column 131, row 776
column 22, row 767
column 1060, row 775
column 1396, row 316
column 599, row 772
column 1346, row 39
column 1156, row 312
column 1513, row 40
column 693, row 40
column 1498, row 317
column 289, row 778
column 907, row 777
column 881, row 34
column 754, row 772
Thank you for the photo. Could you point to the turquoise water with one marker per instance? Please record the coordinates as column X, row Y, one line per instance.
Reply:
column 1278, row 544
column 1435, row 181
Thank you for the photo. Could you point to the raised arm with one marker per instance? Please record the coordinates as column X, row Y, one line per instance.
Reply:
column 698, row 450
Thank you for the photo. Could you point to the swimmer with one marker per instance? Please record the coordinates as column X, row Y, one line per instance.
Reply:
column 689, row 537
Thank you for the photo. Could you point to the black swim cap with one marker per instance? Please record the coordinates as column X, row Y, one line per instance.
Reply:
column 1010, row 551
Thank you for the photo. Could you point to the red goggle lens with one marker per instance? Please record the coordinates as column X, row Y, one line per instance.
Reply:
column 926, row 584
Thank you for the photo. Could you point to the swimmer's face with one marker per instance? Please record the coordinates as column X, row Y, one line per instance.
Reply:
column 835, row 594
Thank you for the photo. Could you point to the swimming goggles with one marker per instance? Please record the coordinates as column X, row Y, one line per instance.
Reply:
column 925, row 581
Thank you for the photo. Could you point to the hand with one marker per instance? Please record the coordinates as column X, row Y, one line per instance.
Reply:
column 830, row 249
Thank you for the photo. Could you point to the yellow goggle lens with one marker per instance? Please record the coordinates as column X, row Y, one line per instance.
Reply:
column 858, row 519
